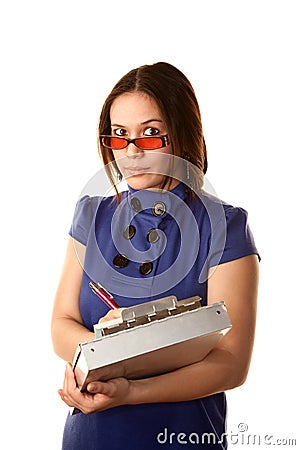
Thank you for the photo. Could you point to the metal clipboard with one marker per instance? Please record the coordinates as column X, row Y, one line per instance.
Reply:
column 151, row 339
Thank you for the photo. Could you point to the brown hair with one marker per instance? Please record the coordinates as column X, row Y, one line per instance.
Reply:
column 179, row 107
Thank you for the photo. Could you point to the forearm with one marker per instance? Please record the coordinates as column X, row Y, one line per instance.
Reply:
column 224, row 368
column 67, row 333
column 219, row 371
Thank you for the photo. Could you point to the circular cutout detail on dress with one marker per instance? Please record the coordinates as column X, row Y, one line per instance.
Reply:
column 146, row 267
column 136, row 204
column 120, row 261
column 159, row 209
column 153, row 236
column 129, row 232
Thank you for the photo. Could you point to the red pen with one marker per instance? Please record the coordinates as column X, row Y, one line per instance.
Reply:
column 104, row 295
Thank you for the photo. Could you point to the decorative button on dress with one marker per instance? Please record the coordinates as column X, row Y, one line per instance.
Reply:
column 151, row 245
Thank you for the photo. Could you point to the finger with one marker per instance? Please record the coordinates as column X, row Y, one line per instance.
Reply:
column 70, row 393
column 72, row 396
column 61, row 393
column 100, row 387
column 69, row 380
column 112, row 314
column 64, row 397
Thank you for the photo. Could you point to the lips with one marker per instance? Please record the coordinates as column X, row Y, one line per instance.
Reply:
column 137, row 170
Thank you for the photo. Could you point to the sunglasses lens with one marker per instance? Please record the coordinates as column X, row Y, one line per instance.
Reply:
column 113, row 142
column 150, row 143
column 147, row 143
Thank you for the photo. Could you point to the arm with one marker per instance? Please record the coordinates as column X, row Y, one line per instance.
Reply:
column 224, row 368
column 227, row 365
column 67, row 328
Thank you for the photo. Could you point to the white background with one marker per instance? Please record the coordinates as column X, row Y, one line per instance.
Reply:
column 59, row 61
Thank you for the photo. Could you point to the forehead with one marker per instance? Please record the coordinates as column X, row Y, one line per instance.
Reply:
column 134, row 107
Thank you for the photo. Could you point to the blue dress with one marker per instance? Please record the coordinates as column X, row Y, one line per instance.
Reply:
column 149, row 246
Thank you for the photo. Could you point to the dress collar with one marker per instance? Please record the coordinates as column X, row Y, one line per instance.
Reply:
column 179, row 190
column 160, row 203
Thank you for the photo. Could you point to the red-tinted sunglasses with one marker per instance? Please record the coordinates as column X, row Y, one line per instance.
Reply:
column 143, row 143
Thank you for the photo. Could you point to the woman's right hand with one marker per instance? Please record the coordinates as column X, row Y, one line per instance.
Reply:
column 111, row 315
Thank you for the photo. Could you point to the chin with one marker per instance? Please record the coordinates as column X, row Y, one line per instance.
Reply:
column 145, row 181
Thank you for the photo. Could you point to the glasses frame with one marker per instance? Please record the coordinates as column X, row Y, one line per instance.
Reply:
column 164, row 139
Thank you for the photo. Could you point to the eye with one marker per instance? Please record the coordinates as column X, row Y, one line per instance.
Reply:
column 151, row 131
column 120, row 132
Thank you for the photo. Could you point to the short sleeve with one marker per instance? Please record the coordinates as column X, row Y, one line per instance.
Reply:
column 84, row 214
column 236, row 241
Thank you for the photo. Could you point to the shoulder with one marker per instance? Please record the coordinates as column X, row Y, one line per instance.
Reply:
column 85, row 213
column 231, row 236
column 219, row 210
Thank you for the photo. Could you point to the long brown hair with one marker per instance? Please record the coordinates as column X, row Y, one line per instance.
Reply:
column 179, row 107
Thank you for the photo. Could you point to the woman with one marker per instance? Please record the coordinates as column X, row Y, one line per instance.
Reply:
column 143, row 244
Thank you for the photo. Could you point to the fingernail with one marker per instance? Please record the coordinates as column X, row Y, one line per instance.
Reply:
column 61, row 394
column 91, row 387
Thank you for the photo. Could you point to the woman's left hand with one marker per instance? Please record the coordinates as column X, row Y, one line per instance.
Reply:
column 100, row 395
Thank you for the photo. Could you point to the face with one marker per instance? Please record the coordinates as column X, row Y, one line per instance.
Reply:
column 135, row 115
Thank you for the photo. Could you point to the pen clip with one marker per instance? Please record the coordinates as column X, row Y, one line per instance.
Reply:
column 98, row 287
column 103, row 289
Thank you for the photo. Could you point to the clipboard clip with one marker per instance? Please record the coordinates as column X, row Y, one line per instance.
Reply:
column 146, row 313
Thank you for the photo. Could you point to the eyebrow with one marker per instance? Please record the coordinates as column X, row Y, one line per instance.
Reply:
column 142, row 123
column 151, row 120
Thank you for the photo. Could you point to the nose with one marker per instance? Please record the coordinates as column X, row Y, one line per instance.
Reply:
column 133, row 150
